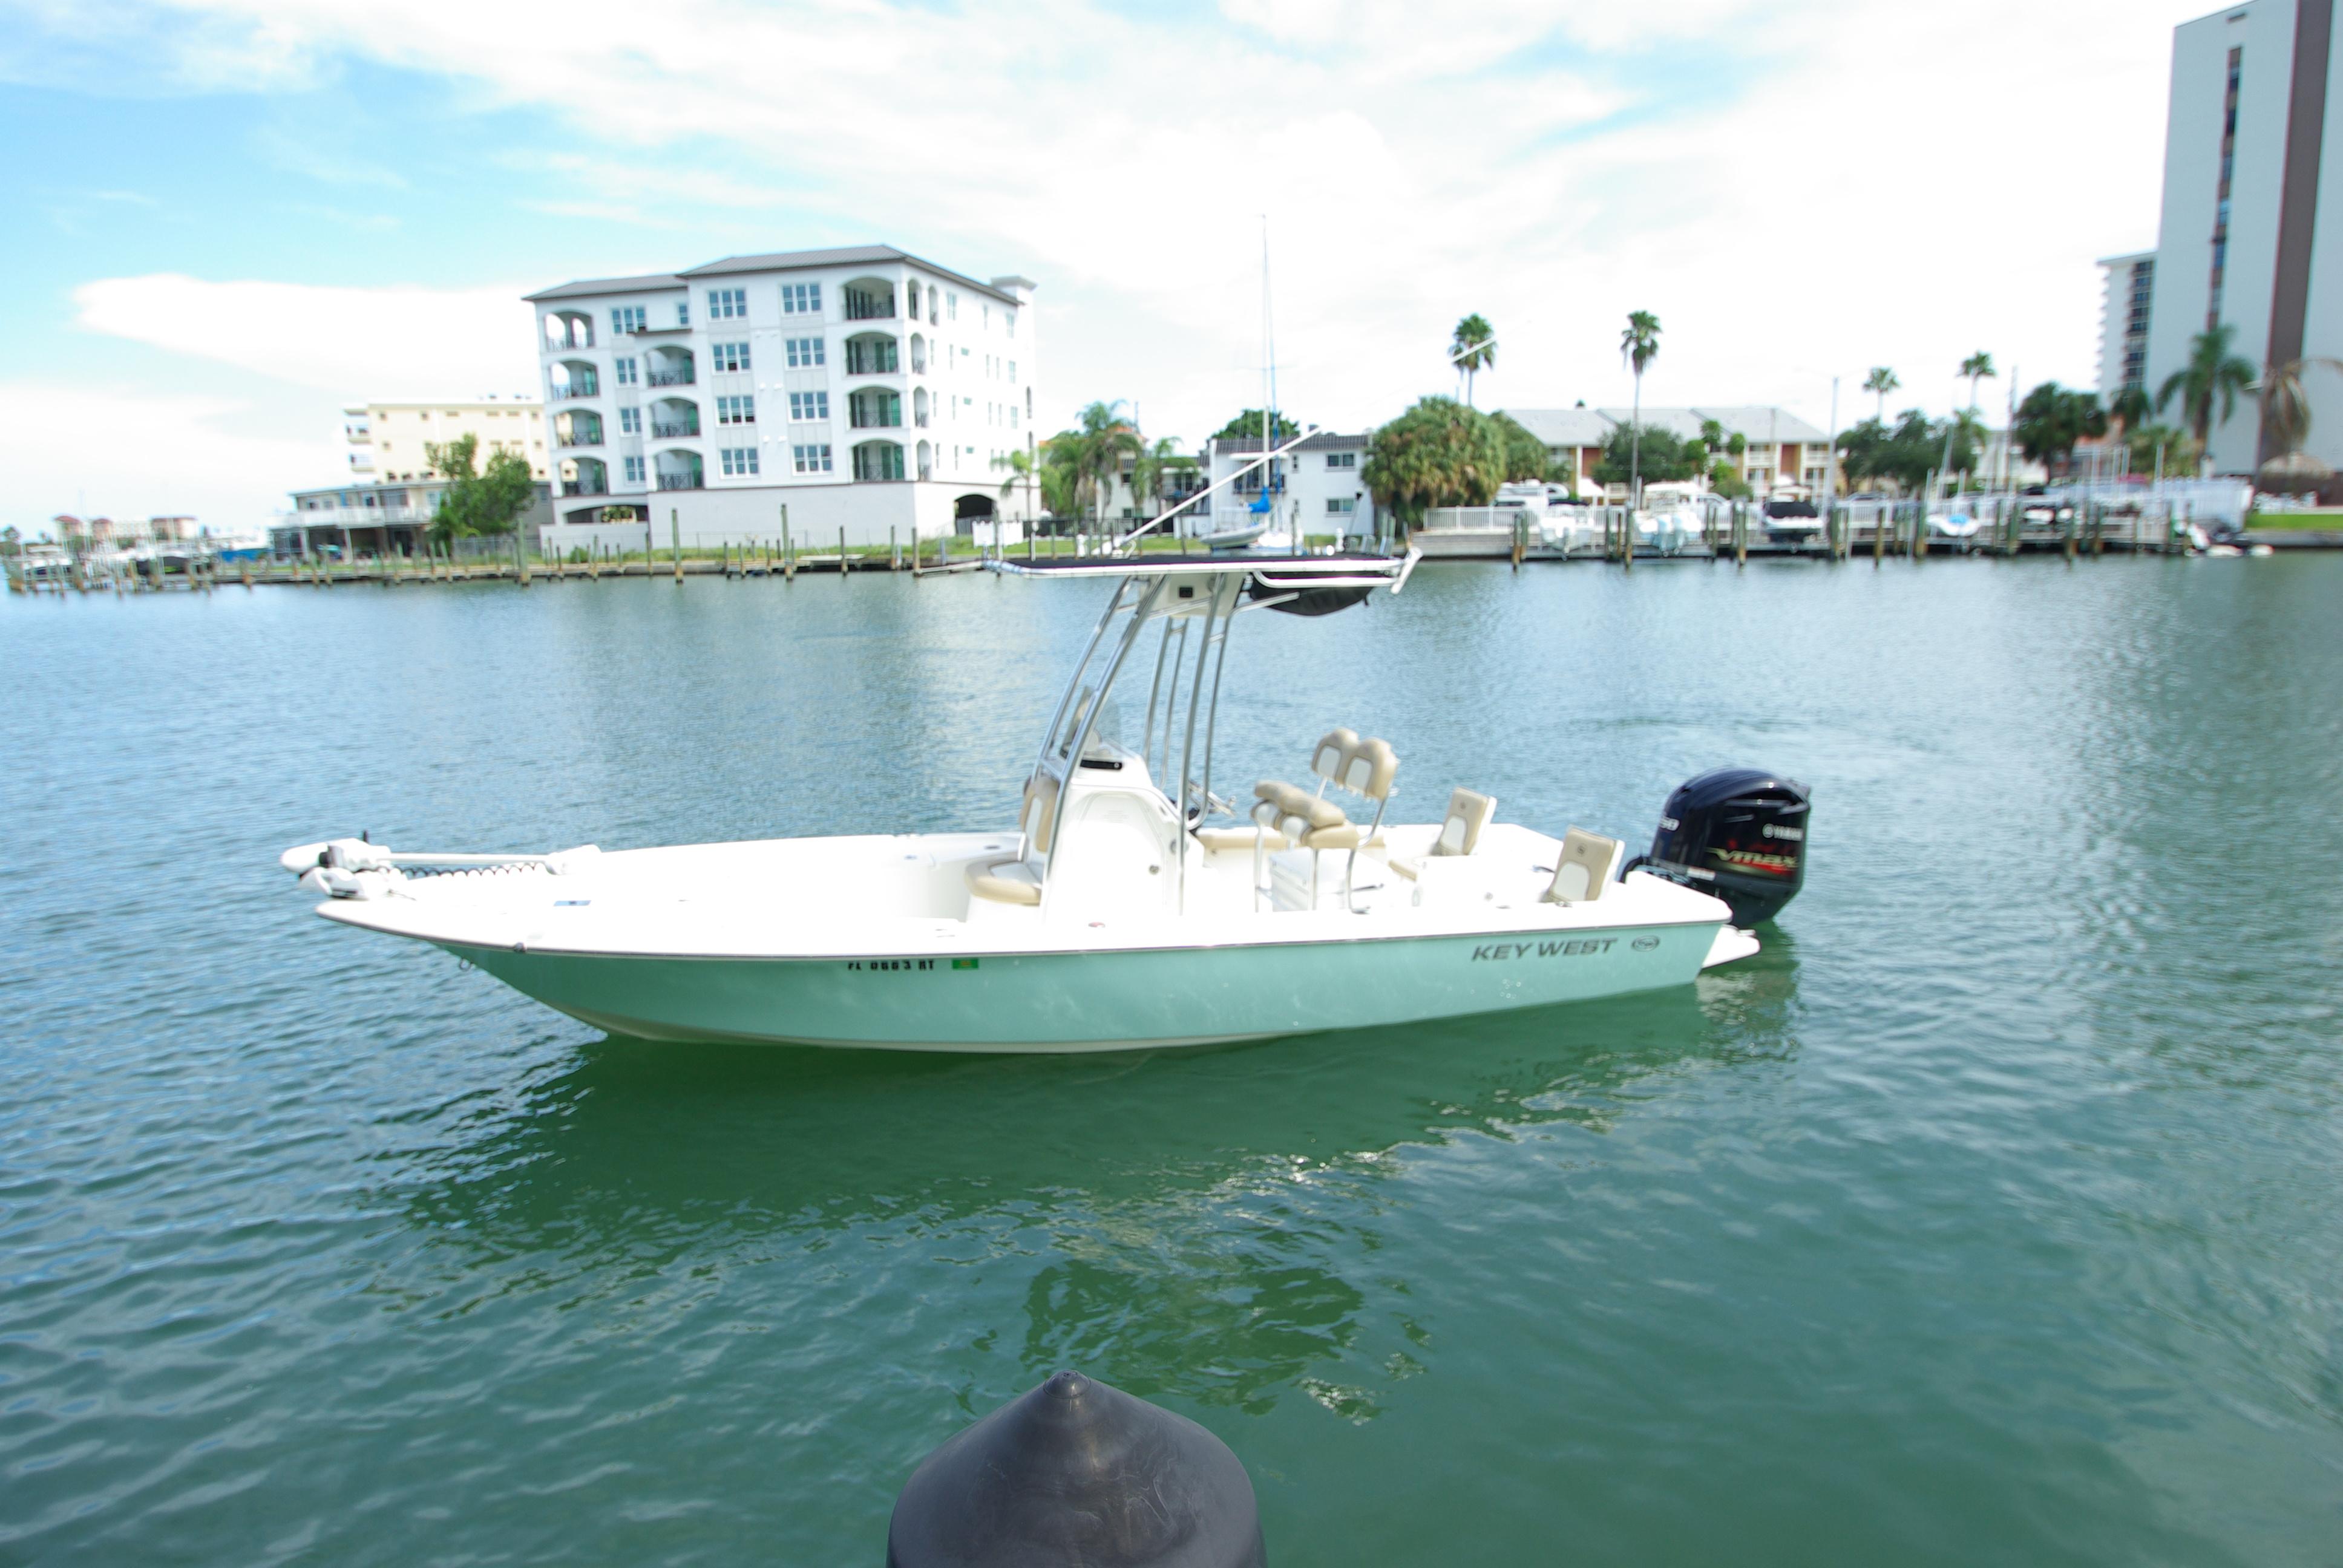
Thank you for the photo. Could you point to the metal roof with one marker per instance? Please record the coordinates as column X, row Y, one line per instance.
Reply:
column 1321, row 441
column 1592, row 427
column 844, row 255
column 770, row 261
column 1562, row 427
column 644, row 284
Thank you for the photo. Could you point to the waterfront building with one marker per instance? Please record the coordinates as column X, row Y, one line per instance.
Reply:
column 382, row 519
column 864, row 388
column 103, row 532
column 1780, row 452
column 2251, row 153
column 2127, row 295
column 386, row 439
column 1319, row 486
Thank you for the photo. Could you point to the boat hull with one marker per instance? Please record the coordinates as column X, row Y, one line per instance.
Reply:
column 1115, row 1000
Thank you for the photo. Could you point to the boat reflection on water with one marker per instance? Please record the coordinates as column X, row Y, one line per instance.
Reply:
column 1177, row 1222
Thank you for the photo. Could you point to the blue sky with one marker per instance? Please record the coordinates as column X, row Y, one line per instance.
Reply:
column 228, row 218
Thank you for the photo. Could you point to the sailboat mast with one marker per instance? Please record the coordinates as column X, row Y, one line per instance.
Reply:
column 1269, row 379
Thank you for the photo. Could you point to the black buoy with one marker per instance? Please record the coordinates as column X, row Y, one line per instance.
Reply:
column 1078, row 1475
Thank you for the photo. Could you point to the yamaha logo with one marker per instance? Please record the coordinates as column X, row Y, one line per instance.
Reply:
column 1792, row 834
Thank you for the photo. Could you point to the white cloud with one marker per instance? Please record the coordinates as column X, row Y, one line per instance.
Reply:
column 1796, row 190
column 129, row 454
column 356, row 343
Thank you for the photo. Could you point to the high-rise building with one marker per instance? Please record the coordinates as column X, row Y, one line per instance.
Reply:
column 863, row 388
column 2124, row 308
column 2251, row 156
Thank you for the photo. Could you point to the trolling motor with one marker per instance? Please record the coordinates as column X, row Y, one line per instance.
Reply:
column 1735, row 833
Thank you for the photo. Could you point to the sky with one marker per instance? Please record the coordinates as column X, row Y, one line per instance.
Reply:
column 227, row 218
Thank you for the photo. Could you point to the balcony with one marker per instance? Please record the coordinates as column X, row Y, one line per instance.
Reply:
column 579, row 438
column 576, row 389
column 683, row 378
column 679, row 482
column 661, row 431
column 585, row 487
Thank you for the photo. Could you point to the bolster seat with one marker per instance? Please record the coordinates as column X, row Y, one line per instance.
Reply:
column 1003, row 881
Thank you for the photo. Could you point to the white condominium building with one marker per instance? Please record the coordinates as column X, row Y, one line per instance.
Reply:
column 863, row 388
column 387, row 439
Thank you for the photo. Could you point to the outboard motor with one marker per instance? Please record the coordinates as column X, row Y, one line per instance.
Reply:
column 1738, row 833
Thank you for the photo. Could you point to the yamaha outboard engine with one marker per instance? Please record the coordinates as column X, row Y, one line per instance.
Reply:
column 1738, row 833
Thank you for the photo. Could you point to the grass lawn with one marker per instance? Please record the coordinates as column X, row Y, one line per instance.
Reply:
column 2327, row 518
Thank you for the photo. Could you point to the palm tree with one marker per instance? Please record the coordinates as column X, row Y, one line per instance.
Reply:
column 1473, row 347
column 1977, row 367
column 1156, row 459
column 2132, row 406
column 1880, row 383
column 2212, row 374
column 2286, row 407
column 1095, row 450
column 1639, row 344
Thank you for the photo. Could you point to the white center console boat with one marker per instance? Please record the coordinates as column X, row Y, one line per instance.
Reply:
column 1131, row 905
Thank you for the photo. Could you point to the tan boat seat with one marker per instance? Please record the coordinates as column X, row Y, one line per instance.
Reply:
column 1003, row 881
column 1588, row 862
column 1460, row 831
column 1332, row 753
column 1368, row 769
column 1037, row 817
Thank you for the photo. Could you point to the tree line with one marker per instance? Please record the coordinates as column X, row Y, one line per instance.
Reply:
column 1445, row 452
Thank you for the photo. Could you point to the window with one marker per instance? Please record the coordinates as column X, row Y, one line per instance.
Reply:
column 1013, row 370
column 622, row 370
column 1012, row 416
column 806, row 406
column 627, row 318
column 683, row 313
column 1341, row 459
column 812, row 459
column 1341, row 506
column 739, row 461
column 801, row 299
column 803, row 352
column 951, row 306
column 729, row 356
column 741, row 410
column 725, row 303
column 634, row 470
column 630, row 421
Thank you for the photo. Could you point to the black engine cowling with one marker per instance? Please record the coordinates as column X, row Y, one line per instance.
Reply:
column 1738, row 833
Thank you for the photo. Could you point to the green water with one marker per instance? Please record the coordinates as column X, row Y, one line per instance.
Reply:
column 1990, row 1216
